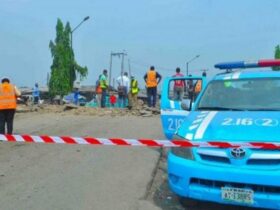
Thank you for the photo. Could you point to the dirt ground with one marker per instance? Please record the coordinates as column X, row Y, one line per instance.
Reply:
column 39, row 176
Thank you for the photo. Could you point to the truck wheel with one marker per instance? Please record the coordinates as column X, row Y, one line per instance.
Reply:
column 188, row 202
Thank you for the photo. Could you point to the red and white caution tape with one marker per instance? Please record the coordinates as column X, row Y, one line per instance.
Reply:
column 135, row 142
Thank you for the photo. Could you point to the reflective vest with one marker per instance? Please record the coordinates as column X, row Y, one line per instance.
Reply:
column 98, row 89
column 198, row 85
column 8, row 98
column 179, row 83
column 151, row 79
column 103, row 82
column 134, row 86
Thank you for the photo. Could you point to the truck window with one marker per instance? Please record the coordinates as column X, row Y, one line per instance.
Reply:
column 180, row 89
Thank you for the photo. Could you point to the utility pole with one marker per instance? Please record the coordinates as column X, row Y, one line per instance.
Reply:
column 119, row 54
column 110, row 70
column 129, row 68
column 122, row 65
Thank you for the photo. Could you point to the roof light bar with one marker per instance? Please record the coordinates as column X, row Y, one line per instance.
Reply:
column 245, row 64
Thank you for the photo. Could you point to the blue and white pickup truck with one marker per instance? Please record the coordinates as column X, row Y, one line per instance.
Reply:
column 237, row 105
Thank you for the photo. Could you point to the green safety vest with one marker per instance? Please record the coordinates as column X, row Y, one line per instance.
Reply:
column 134, row 87
column 103, row 82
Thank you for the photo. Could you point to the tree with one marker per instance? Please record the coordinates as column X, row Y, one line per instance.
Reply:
column 277, row 56
column 64, row 68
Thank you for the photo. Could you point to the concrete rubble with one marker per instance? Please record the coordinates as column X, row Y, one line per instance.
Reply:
column 141, row 110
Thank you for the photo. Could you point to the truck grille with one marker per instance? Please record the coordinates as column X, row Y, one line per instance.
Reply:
column 210, row 155
column 263, row 162
column 215, row 159
column 220, row 184
column 256, row 158
column 264, row 158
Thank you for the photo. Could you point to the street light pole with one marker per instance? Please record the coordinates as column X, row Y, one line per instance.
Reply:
column 187, row 64
column 85, row 19
column 71, row 37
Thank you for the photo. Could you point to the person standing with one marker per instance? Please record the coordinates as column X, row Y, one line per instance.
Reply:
column 198, row 85
column 113, row 99
column 8, row 104
column 98, row 91
column 123, row 87
column 104, row 87
column 179, row 86
column 36, row 94
column 76, row 96
column 152, row 79
column 190, row 88
column 133, row 93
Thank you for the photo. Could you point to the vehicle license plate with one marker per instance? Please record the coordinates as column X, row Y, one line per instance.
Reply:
column 238, row 195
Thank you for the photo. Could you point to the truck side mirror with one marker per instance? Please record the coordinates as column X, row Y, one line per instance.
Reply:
column 186, row 104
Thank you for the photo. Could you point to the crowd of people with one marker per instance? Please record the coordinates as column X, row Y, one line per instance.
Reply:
column 190, row 87
column 127, row 88
column 127, row 93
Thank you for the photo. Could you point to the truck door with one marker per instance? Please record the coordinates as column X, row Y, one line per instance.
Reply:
column 175, row 90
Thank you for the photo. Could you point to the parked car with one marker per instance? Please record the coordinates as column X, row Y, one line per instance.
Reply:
column 235, row 106
column 70, row 99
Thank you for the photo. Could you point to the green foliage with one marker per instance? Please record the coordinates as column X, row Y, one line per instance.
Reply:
column 64, row 67
column 277, row 56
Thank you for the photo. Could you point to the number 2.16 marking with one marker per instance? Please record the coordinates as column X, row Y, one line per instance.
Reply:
column 266, row 122
column 238, row 121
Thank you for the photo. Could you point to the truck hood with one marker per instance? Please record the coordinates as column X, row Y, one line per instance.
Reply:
column 263, row 126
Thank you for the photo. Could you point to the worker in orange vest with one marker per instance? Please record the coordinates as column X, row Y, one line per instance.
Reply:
column 152, row 79
column 198, row 86
column 8, row 104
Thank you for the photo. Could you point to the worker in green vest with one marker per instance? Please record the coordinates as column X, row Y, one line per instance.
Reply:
column 104, row 86
column 133, row 93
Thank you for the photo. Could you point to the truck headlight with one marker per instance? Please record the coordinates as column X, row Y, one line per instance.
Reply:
column 182, row 152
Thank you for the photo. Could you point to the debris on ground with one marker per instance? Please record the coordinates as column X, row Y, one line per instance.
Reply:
column 69, row 107
column 141, row 110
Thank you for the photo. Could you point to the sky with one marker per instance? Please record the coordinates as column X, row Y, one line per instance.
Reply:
column 163, row 33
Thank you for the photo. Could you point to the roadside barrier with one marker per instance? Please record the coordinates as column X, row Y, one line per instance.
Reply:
column 135, row 142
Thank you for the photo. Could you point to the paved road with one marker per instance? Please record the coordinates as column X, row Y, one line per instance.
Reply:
column 40, row 176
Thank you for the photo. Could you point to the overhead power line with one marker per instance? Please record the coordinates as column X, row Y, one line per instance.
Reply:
column 140, row 63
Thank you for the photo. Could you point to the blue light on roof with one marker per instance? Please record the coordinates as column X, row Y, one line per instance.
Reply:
column 236, row 65
column 246, row 64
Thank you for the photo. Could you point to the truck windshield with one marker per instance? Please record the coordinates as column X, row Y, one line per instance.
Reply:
column 242, row 95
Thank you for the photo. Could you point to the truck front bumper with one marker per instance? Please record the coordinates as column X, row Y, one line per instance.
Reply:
column 196, row 180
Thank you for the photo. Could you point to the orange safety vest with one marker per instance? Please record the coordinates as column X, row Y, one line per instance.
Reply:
column 197, row 88
column 151, row 79
column 98, row 89
column 8, row 98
